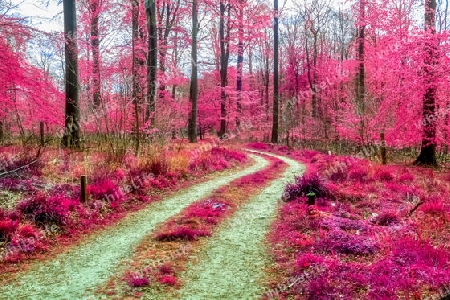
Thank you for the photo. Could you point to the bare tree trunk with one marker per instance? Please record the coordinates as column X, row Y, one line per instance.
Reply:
column 1, row 132
column 193, row 97
column 95, row 44
column 428, row 152
column 224, row 58
column 136, row 86
column 150, row 8
column 71, row 136
column 361, row 73
column 275, row 77
column 240, row 62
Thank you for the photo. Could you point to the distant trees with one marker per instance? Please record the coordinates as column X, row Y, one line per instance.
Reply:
column 359, row 73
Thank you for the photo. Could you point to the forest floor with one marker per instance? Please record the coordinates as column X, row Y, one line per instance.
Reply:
column 231, row 261
column 250, row 232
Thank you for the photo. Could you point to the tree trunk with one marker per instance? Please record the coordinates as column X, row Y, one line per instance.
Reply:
column 275, row 76
column 240, row 61
column 136, row 86
column 383, row 149
column 428, row 152
column 193, row 97
column 150, row 8
column 1, row 132
column 224, row 55
column 361, row 73
column 71, row 136
column 95, row 44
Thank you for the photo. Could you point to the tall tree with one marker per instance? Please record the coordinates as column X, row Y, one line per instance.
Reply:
column 240, row 61
column 94, row 9
column 168, row 14
column 72, row 130
column 193, row 94
column 275, row 75
column 224, row 33
column 152, row 59
column 428, row 152
column 135, row 70
column 361, row 87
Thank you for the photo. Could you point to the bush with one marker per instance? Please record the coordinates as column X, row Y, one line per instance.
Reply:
column 348, row 244
column 304, row 185
column 168, row 280
column 7, row 229
column 383, row 175
column 358, row 174
column 135, row 279
column 105, row 190
column 434, row 207
column 166, row 269
column 260, row 146
column 46, row 211
column 386, row 219
column 338, row 176
column 229, row 155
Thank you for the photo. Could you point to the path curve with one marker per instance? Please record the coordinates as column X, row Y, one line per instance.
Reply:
column 233, row 263
column 76, row 273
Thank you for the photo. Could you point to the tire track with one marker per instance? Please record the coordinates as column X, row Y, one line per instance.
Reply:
column 76, row 273
column 232, row 264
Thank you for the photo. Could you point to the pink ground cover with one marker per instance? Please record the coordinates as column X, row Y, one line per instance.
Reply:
column 376, row 232
column 52, row 214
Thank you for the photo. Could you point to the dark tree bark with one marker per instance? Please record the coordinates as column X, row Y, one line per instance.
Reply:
column 193, row 95
column 240, row 62
column 135, row 70
column 224, row 59
column 428, row 152
column 167, row 16
column 275, row 76
column 361, row 91
column 95, row 44
column 152, row 58
column 1, row 132
column 71, row 136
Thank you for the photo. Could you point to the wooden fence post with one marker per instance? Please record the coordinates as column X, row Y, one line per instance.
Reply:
column 84, row 192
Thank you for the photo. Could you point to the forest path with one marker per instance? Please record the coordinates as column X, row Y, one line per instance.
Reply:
column 232, row 265
column 76, row 273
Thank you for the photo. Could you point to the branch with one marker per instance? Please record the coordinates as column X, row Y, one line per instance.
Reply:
column 38, row 155
column 415, row 208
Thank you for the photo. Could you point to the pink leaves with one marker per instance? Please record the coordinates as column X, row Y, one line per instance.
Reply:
column 135, row 279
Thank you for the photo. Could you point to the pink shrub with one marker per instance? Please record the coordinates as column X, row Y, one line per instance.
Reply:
column 386, row 218
column 105, row 190
column 304, row 185
column 26, row 240
column 228, row 155
column 406, row 177
column 166, row 269
column 260, row 146
column 135, row 279
column 434, row 206
column 309, row 154
column 207, row 209
column 358, row 174
column 45, row 211
column 7, row 229
column 348, row 244
column 383, row 175
column 168, row 280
